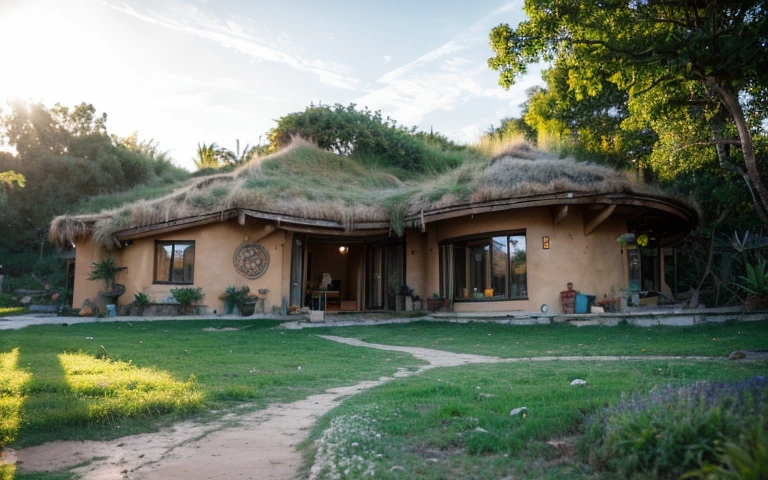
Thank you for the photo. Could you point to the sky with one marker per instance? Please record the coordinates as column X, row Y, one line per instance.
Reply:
column 187, row 71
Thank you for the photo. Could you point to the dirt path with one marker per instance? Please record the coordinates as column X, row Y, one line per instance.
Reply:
column 441, row 358
column 257, row 445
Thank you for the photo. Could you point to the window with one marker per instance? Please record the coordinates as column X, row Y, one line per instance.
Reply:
column 487, row 268
column 174, row 262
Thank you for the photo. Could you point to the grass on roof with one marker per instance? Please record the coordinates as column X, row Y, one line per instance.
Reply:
column 306, row 181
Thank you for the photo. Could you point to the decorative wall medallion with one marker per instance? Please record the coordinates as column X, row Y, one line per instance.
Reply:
column 251, row 260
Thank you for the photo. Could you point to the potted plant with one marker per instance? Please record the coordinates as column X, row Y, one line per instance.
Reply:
column 435, row 303
column 234, row 297
column 756, row 286
column 416, row 302
column 250, row 301
column 107, row 270
column 187, row 298
column 141, row 301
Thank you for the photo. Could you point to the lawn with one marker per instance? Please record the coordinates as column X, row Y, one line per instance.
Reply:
column 104, row 380
column 455, row 423
column 485, row 338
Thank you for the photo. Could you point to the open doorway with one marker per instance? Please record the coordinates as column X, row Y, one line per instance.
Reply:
column 334, row 275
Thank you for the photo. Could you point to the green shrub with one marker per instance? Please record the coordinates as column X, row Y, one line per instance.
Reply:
column 673, row 429
column 105, row 270
column 234, row 297
column 26, row 282
column 187, row 297
column 745, row 459
column 141, row 300
column 756, row 281
column 6, row 300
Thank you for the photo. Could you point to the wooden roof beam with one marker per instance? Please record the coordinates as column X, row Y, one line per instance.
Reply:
column 558, row 214
column 592, row 223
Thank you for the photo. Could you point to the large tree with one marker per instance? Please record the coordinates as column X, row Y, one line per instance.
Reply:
column 711, row 55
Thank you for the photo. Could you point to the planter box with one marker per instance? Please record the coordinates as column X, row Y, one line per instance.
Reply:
column 435, row 304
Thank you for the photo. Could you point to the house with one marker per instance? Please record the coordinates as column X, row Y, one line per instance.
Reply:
column 497, row 233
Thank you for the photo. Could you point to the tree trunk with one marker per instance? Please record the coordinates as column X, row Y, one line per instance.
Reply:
column 718, row 128
column 731, row 102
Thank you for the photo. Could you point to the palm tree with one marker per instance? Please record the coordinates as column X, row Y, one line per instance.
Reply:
column 246, row 156
column 208, row 156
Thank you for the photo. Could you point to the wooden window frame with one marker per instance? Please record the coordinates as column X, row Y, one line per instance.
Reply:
column 173, row 243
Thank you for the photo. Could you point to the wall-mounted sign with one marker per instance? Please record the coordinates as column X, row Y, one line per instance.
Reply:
column 251, row 260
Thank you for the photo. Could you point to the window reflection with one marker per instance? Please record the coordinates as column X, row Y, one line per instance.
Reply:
column 174, row 262
column 493, row 268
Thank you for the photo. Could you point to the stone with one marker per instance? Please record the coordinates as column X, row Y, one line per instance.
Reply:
column 26, row 300
column 579, row 383
column 89, row 306
column 481, row 430
column 737, row 355
column 518, row 411
column 316, row 316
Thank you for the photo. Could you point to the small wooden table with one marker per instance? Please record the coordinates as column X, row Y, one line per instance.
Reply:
column 322, row 296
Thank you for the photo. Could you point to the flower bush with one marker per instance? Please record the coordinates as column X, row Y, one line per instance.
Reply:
column 673, row 429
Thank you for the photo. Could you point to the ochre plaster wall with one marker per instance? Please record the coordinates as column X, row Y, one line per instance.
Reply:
column 593, row 263
column 86, row 253
column 214, row 270
column 415, row 259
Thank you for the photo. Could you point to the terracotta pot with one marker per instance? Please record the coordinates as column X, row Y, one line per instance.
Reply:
column 755, row 303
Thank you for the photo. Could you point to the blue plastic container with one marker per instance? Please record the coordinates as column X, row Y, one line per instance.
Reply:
column 581, row 303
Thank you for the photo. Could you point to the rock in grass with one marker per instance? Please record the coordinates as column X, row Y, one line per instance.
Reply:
column 737, row 355
column 481, row 430
column 518, row 411
column 579, row 383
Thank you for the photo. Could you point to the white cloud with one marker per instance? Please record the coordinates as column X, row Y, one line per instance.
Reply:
column 229, row 34
column 387, row 58
column 443, row 79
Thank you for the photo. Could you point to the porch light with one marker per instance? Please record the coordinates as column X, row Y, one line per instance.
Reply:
column 545, row 243
column 343, row 249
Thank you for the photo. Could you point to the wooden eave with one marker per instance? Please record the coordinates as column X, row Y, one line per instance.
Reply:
column 671, row 207
column 328, row 226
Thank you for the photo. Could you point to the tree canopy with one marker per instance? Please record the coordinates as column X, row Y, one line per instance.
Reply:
column 348, row 131
column 62, row 156
column 691, row 73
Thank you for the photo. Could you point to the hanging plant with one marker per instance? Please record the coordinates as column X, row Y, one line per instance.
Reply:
column 626, row 240
column 642, row 240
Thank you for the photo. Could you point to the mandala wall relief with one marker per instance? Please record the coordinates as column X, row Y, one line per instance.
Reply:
column 251, row 260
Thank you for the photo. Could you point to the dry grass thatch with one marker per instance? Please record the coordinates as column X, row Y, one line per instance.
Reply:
column 304, row 181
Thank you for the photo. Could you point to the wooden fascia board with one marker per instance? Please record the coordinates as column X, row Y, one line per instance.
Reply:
column 668, row 206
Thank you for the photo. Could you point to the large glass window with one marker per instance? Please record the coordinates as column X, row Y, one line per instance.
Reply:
column 489, row 268
column 174, row 262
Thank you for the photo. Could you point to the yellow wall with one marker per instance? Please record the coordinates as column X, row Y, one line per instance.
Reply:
column 594, row 263
column 214, row 271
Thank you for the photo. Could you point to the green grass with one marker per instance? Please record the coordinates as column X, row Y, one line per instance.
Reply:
column 543, row 340
column 159, row 372
column 12, row 311
column 428, row 424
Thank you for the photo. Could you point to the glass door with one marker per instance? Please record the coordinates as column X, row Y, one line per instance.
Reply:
column 374, row 278
column 297, row 270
